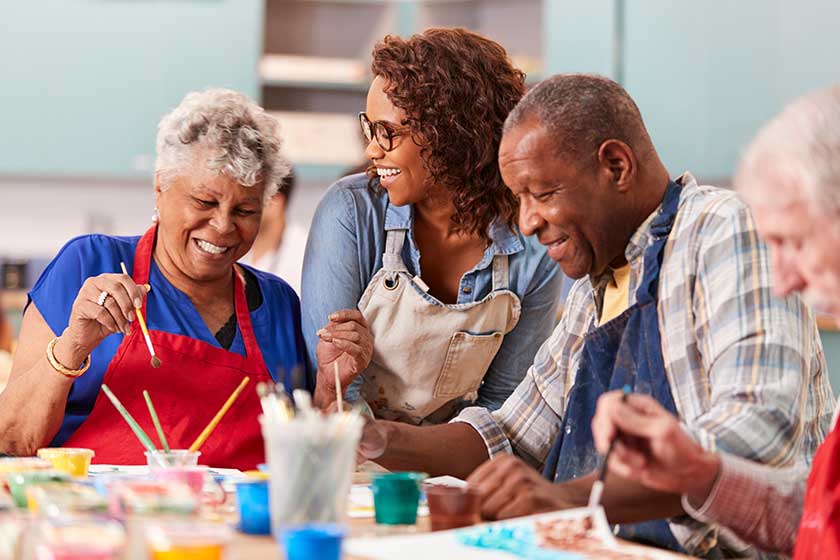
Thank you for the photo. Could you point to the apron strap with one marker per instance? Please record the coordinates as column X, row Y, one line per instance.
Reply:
column 501, row 277
column 392, row 257
column 660, row 230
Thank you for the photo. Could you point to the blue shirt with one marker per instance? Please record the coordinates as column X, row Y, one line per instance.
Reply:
column 276, row 322
column 344, row 252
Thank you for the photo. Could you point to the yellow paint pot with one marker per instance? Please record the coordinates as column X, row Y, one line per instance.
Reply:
column 72, row 460
column 257, row 475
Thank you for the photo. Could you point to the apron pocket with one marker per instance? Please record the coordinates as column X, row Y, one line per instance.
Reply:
column 467, row 360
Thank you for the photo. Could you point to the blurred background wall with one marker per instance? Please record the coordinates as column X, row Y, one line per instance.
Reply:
column 83, row 84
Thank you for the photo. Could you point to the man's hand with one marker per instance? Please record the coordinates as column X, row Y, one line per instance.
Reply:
column 511, row 488
column 652, row 448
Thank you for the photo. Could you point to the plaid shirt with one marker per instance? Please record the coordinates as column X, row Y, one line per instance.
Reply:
column 760, row 504
column 746, row 368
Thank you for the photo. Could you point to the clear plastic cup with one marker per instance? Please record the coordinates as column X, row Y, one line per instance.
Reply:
column 203, row 486
column 62, row 498
column 10, row 465
column 311, row 460
column 13, row 528
column 172, row 458
column 78, row 538
column 19, row 482
column 194, row 541
column 72, row 460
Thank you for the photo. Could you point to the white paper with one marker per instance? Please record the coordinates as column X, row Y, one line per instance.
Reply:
column 445, row 544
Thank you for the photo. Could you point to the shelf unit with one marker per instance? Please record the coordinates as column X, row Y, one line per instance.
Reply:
column 315, row 67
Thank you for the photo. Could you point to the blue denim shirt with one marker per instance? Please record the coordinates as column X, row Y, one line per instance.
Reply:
column 344, row 252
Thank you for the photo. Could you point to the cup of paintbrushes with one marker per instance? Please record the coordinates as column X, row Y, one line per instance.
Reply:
column 311, row 459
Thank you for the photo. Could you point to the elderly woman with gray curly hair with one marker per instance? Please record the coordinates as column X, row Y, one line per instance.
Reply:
column 211, row 320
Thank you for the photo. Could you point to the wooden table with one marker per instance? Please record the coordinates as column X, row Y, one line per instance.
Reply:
column 247, row 547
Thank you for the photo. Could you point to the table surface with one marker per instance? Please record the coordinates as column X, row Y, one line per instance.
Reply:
column 246, row 547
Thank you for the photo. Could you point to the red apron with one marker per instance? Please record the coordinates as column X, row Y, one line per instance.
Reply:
column 194, row 380
column 819, row 529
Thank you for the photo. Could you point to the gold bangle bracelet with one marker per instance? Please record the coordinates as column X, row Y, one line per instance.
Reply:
column 65, row 371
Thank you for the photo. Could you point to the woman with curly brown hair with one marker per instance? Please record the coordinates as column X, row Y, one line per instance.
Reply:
column 418, row 349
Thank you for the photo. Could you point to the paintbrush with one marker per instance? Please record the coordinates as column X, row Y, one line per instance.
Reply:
column 154, row 361
column 338, row 395
column 132, row 423
column 156, row 421
column 598, row 485
column 199, row 441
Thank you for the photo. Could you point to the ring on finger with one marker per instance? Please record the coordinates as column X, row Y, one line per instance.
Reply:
column 103, row 295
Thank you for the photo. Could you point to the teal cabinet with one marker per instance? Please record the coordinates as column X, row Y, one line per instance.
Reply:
column 83, row 83
column 706, row 75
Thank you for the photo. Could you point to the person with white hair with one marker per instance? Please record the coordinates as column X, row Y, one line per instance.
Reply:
column 211, row 321
column 790, row 176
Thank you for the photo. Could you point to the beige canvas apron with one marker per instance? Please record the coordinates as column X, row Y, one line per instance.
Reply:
column 429, row 355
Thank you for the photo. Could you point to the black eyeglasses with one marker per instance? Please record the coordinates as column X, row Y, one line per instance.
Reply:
column 383, row 131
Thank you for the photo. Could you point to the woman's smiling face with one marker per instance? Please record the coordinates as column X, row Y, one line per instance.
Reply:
column 401, row 171
column 207, row 222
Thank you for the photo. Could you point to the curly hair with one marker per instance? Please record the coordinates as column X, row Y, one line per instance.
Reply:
column 243, row 140
column 456, row 88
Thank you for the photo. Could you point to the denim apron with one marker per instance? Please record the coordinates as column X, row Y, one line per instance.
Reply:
column 625, row 350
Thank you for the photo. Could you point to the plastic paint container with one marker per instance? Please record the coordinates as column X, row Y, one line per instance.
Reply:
column 252, row 502
column 187, row 541
column 64, row 498
column 9, row 465
column 452, row 507
column 396, row 496
column 174, row 458
column 18, row 483
column 76, row 552
column 78, row 538
column 72, row 460
column 307, row 542
column 193, row 477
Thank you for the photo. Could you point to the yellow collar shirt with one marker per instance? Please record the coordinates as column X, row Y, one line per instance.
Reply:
column 616, row 294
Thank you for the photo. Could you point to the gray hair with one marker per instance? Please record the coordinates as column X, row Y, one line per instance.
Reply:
column 240, row 138
column 798, row 149
column 580, row 112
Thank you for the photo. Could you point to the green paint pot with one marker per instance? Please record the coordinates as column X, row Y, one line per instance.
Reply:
column 396, row 496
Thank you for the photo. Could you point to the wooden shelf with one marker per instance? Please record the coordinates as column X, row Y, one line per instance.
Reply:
column 356, row 87
column 289, row 70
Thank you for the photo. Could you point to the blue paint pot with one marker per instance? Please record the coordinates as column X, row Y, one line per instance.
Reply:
column 252, row 502
column 317, row 540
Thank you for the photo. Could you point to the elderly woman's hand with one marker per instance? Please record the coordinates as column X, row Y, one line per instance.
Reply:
column 347, row 341
column 104, row 305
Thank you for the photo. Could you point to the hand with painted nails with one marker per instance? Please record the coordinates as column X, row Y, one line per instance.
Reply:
column 104, row 305
column 346, row 340
column 651, row 447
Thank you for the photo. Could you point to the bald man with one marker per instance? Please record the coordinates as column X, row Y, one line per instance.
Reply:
column 673, row 298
